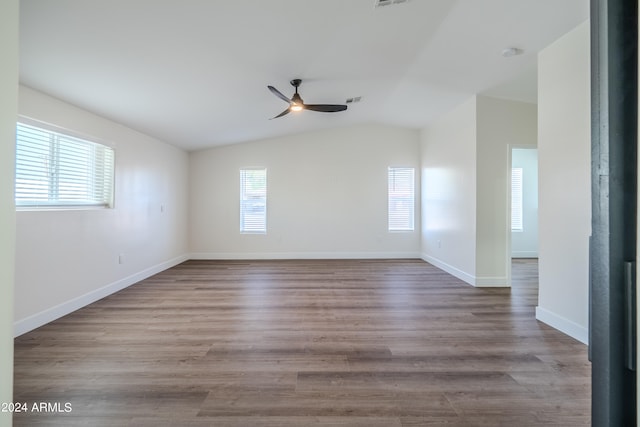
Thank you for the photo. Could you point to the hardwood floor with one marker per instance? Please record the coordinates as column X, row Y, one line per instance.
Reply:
column 302, row 343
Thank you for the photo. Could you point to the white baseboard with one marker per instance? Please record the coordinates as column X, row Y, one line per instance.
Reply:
column 492, row 282
column 32, row 322
column 563, row 325
column 524, row 254
column 479, row 282
column 303, row 255
column 462, row 275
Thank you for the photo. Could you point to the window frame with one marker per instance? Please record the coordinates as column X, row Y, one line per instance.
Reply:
column 63, row 139
column 244, row 228
column 393, row 213
column 517, row 200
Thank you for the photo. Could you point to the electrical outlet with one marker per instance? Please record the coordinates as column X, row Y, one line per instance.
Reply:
column 121, row 259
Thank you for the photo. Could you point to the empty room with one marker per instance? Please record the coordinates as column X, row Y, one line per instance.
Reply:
column 296, row 212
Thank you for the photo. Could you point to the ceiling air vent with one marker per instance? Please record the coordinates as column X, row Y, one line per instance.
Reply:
column 353, row 100
column 380, row 3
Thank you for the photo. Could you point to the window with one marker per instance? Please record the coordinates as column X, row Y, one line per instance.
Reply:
column 516, row 199
column 58, row 170
column 401, row 199
column 253, row 201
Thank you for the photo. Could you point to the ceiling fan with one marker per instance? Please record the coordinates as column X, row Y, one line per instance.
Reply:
column 296, row 103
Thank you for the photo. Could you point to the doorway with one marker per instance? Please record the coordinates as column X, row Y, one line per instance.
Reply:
column 524, row 203
column 522, row 245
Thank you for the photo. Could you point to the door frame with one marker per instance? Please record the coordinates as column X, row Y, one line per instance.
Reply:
column 510, row 148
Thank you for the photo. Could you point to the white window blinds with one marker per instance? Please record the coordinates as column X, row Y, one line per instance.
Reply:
column 253, row 201
column 516, row 199
column 58, row 170
column 401, row 199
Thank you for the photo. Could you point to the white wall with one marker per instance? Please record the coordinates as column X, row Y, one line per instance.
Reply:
column 466, row 187
column 68, row 258
column 327, row 195
column 564, row 182
column 524, row 244
column 8, row 114
column 500, row 125
column 449, row 192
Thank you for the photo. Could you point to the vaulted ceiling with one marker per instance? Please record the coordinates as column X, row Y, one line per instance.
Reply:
column 194, row 73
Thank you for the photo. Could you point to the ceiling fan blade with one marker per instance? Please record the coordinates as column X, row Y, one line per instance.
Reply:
column 325, row 108
column 287, row 111
column 279, row 94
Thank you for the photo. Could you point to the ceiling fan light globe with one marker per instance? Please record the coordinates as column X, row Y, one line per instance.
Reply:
column 296, row 107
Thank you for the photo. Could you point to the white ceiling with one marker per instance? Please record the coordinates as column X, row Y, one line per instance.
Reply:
column 194, row 73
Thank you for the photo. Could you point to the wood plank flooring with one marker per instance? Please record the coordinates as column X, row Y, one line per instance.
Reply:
column 303, row 343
